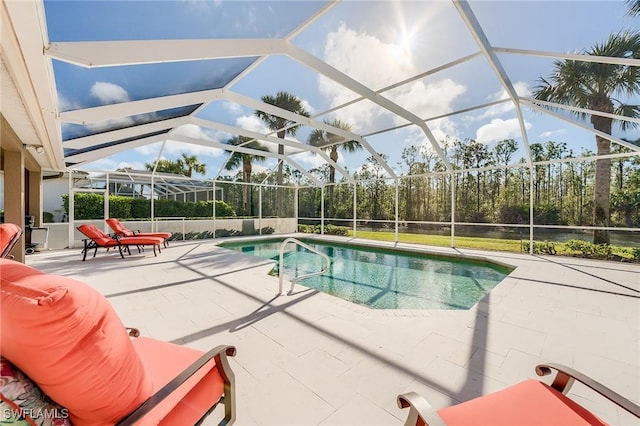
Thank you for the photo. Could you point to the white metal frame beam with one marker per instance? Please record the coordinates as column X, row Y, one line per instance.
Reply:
column 575, row 123
column 259, row 136
column 127, row 132
column 244, row 150
column 96, row 54
column 89, row 156
column 128, row 109
column 478, row 34
column 571, row 56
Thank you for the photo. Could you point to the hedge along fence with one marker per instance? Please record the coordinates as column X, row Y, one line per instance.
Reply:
column 91, row 206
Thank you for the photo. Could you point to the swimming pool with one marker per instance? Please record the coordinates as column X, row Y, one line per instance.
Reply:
column 385, row 278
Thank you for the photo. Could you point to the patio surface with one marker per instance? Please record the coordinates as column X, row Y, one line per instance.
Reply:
column 312, row 359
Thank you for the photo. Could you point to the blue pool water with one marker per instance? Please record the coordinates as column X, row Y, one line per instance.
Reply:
column 385, row 279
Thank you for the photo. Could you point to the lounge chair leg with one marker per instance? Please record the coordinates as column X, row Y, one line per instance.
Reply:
column 95, row 251
column 120, row 250
column 154, row 250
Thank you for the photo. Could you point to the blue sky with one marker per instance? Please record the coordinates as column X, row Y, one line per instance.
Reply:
column 375, row 43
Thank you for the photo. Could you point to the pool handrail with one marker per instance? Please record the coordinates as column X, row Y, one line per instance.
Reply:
column 294, row 280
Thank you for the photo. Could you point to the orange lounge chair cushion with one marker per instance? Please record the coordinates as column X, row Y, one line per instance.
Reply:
column 142, row 241
column 529, row 403
column 8, row 231
column 67, row 338
column 120, row 229
column 186, row 405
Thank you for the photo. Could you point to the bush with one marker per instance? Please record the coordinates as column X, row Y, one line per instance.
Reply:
column 87, row 205
column 544, row 247
column 307, row 229
column 335, row 230
column 139, row 208
column 91, row 206
column 119, row 206
column 47, row 217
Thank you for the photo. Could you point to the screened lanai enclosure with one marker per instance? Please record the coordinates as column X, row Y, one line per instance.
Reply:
column 499, row 120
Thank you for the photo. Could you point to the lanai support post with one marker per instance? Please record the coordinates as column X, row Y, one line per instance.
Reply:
column 322, row 210
column 453, row 208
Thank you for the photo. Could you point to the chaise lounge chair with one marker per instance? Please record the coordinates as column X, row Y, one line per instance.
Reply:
column 120, row 230
column 531, row 402
column 97, row 238
column 69, row 342
column 9, row 237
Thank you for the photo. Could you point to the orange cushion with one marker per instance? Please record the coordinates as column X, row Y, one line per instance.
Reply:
column 66, row 337
column 8, row 231
column 141, row 240
column 529, row 403
column 187, row 404
column 163, row 235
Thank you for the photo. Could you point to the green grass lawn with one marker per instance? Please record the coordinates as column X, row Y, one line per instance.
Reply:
column 497, row 244
column 444, row 240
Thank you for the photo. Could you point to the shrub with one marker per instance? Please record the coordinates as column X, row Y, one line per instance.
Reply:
column 87, row 205
column 91, row 206
column 267, row 230
column 119, row 206
column 308, row 229
column 544, row 247
column 47, row 217
column 335, row 230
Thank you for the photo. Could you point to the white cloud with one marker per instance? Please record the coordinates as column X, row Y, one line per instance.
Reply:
column 351, row 52
column 553, row 133
column 522, row 89
column 427, row 100
column 232, row 107
column 251, row 123
column 109, row 93
column 500, row 129
column 308, row 160
column 306, row 105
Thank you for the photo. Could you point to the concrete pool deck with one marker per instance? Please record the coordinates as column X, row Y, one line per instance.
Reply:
column 312, row 359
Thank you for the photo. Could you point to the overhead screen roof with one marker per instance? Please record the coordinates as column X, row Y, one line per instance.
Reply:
column 131, row 75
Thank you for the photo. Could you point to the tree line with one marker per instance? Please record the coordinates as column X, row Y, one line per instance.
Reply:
column 562, row 192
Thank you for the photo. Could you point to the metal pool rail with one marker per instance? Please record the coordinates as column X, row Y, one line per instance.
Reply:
column 294, row 280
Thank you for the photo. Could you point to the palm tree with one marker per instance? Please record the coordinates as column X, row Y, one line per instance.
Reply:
column 332, row 142
column 246, row 160
column 634, row 7
column 191, row 164
column 593, row 86
column 281, row 125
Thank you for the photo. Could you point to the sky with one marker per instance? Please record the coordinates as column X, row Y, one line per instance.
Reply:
column 375, row 43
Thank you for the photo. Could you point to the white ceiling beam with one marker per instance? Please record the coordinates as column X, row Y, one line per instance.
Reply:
column 580, row 125
column 571, row 56
column 478, row 34
column 127, row 132
column 339, row 77
column 24, row 35
column 259, row 136
column 95, row 54
column 241, row 149
column 297, row 118
column 582, row 110
column 99, row 153
column 143, row 106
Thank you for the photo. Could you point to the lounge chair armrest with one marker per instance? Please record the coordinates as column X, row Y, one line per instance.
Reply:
column 419, row 408
column 220, row 353
column 566, row 376
column 133, row 332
